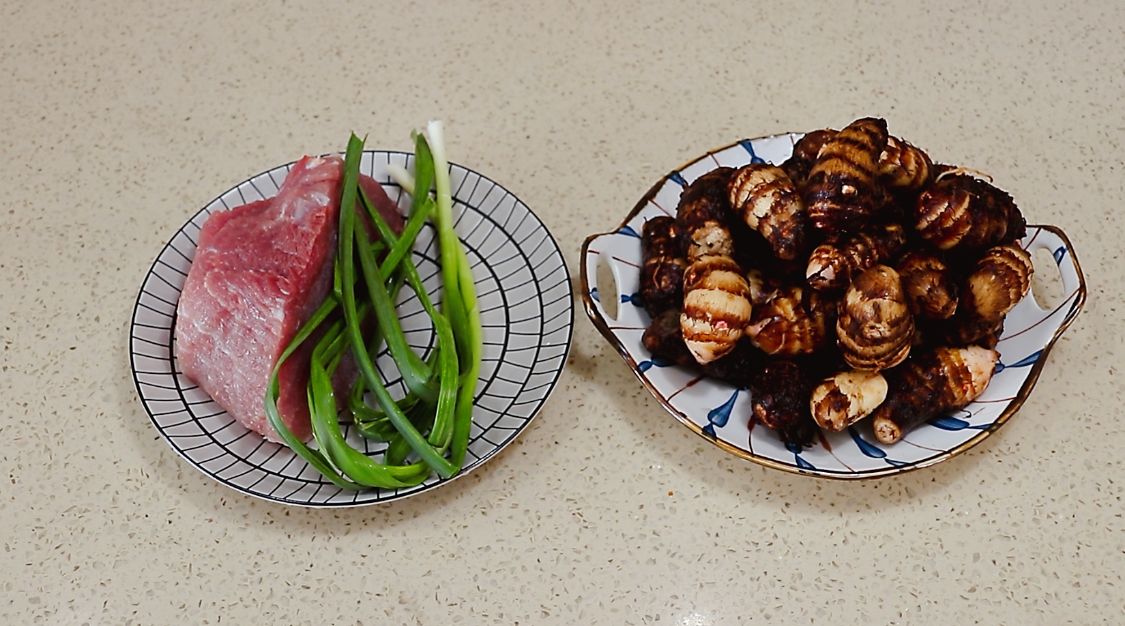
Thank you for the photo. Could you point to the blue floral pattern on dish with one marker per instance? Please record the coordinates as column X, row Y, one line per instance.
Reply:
column 632, row 298
column 948, row 422
column 1024, row 362
column 720, row 415
column 748, row 146
column 1059, row 253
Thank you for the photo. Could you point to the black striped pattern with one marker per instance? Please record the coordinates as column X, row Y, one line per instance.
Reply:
column 523, row 289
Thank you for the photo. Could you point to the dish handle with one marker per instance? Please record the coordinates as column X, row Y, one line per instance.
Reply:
column 1054, row 240
column 605, row 294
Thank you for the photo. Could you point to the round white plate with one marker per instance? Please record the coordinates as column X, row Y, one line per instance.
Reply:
column 523, row 289
column 720, row 413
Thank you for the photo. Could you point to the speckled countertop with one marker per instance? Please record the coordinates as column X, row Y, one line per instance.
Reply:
column 118, row 120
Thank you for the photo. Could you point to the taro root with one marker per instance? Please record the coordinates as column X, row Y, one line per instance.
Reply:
column 823, row 309
column 789, row 323
column 904, row 167
column 660, row 237
column 844, row 399
column 702, row 214
column 805, row 151
column 964, row 212
column 831, row 266
column 931, row 383
column 875, row 329
column 767, row 200
column 716, row 307
column 662, row 272
column 664, row 340
column 779, row 399
column 1001, row 279
column 929, row 287
column 966, row 329
column 761, row 288
column 842, row 192
column 738, row 367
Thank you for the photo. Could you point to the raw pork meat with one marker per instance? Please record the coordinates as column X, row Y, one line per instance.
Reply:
column 260, row 270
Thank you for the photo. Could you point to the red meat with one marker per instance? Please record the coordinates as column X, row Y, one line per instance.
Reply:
column 259, row 272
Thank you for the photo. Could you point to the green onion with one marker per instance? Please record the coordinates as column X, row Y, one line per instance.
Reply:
column 312, row 457
column 326, row 428
column 447, row 357
column 348, row 235
column 460, row 296
column 441, row 388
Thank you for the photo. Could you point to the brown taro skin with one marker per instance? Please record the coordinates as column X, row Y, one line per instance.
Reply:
column 999, row 280
column 780, row 392
column 664, row 341
column 662, row 269
column 1002, row 278
column 903, row 167
column 768, row 201
column 842, row 191
column 738, row 367
column 702, row 216
column 805, row 151
column 660, row 237
column 846, row 397
column 875, row 330
column 930, row 383
column 832, row 265
column 966, row 329
column 929, row 286
column 792, row 322
column 716, row 307
column 959, row 212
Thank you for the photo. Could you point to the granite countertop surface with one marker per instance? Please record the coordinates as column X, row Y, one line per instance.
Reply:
column 119, row 120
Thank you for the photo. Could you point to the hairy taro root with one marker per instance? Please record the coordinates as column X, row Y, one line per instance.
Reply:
column 960, row 211
column 999, row 280
column 768, row 201
column 805, row 151
column 789, row 323
column 1002, row 277
column 929, row 384
column 904, row 167
column 875, row 329
column 930, row 290
column 753, row 252
column 966, row 329
column 664, row 340
column 762, row 290
column 844, row 399
column 842, row 191
column 738, row 366
column 831, row 266
column 779, row 393
column 702, row 214
column 716, row 307
column 662, row 269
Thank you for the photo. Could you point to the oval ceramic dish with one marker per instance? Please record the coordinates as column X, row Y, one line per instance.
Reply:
column 523, row 289
column 720, row 413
